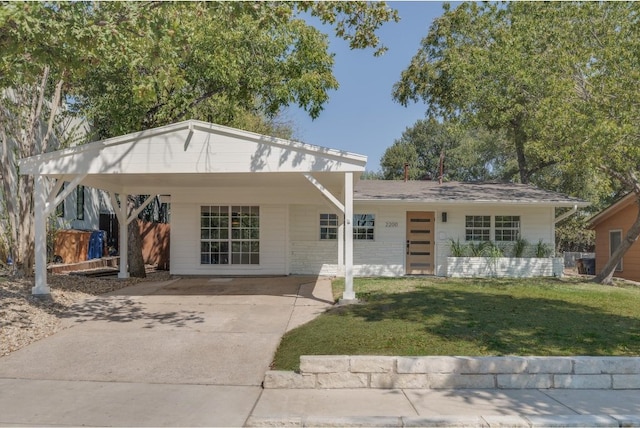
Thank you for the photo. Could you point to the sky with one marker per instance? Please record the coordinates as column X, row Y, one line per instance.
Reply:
column 361, row 115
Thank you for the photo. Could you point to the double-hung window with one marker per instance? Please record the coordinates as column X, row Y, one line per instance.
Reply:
column 230, row 235
column 615, row 240
column 477, row 228
column 328, row 226
column 507, row 228
column 363, row 226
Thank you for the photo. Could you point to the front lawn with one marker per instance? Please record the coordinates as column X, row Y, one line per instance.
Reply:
column 474, row 317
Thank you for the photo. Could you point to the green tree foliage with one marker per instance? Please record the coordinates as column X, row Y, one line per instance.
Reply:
column 128, row 66
column 224, row 62
column 561, row 79
column 468, row 154
column 481, row 64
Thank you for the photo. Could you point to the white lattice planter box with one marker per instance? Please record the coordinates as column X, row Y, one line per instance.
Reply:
column 504, row 267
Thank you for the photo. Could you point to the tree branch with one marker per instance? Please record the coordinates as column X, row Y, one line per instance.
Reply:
column 52, row 113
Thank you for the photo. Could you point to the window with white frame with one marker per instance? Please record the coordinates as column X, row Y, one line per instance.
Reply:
column 477, row 228
column 363, row 226
column 507, row 228
column 230, row 235
column 328, row 226
column 615, row 239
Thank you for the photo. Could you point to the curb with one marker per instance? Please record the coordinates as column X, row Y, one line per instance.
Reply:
column 449, row 421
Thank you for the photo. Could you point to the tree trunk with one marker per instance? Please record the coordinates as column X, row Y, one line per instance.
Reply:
column 519, row 138
column 136, row 261
column 606, row 274
column 23, row 113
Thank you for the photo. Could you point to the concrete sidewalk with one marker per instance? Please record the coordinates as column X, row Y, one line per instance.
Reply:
column 194, row 352
column 443, row 408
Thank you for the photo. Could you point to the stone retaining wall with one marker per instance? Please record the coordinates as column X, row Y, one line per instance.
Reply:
column 342, row 371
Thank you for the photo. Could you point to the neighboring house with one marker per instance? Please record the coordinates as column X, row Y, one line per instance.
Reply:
column 80, row 210
column 611, row 225
column 249, row 204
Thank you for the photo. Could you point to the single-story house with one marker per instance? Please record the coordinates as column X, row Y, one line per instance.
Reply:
column 250, row 204
column 611, row 225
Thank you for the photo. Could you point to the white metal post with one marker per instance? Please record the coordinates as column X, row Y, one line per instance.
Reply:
column 348, row 294
column 124, row 238
column 341, row 246
column 40, row 199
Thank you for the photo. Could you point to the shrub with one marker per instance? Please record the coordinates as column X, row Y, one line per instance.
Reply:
column 542, row 249
column 519, row 247
column 457, row 249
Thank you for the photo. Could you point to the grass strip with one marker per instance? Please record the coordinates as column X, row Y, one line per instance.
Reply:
column 473, row 317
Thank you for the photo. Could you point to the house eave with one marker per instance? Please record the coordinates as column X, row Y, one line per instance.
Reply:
column 622, row 203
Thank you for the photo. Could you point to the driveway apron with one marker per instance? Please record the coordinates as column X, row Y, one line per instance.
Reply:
column 190, row 351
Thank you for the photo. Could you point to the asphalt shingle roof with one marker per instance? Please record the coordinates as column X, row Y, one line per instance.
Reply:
column 453, row 191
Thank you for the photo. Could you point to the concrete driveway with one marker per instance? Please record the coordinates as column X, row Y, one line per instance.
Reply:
column 186, row 352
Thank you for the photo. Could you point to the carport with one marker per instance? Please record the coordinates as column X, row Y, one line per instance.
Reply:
column 192, row 162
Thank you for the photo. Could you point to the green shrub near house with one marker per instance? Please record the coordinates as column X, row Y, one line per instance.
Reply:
column 474, row 317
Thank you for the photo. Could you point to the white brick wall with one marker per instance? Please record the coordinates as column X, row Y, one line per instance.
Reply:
column 500, row 267
column 385, row 256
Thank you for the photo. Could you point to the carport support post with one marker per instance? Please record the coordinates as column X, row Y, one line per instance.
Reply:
column 40, row 237
column 348, row 294
column 124, row 238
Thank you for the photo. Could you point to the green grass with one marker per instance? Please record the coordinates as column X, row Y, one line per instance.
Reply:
column 475, row 317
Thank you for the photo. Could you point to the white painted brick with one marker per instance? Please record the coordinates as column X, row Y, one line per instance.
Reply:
column 274, row 379
column 342, row 380
column 372, row 364
column 560, row 365
column 324, row 363
column 583, row 381
column 607, row 365
column 524, row 381
column 462, row 381
column 626, row 381
column 394, row 380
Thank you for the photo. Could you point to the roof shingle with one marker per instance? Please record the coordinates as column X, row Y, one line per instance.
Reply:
column 453, row 191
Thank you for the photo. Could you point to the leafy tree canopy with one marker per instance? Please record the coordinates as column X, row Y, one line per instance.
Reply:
column 560, row 79
column 467, row 154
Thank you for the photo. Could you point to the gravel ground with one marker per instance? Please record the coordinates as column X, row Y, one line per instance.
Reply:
column 25, row 318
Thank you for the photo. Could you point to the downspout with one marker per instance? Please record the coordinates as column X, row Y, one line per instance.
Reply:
column 569, row 213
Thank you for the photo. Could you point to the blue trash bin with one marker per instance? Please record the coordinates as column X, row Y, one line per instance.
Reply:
column 96, row 244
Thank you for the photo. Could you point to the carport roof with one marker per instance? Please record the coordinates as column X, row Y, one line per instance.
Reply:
column 191, row 153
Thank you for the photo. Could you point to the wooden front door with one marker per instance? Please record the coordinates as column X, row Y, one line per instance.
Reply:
column 420, row 246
